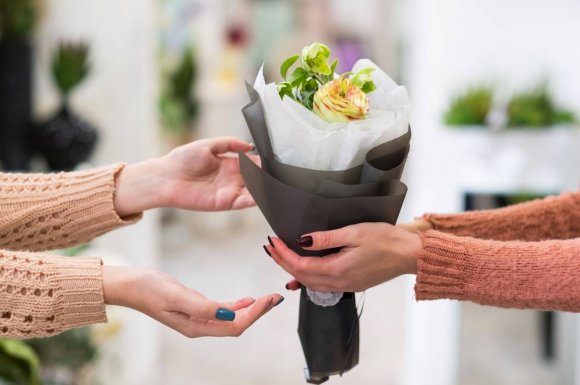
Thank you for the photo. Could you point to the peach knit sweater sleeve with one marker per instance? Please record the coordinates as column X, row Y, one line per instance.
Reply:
column 531, row 258
column 44, row 294
column 548, row 218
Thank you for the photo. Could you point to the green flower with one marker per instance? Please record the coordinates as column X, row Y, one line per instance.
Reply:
column 314, row 58
column 340, row 101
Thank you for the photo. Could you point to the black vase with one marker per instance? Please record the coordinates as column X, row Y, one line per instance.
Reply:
column 15, row 105
column 65, row 140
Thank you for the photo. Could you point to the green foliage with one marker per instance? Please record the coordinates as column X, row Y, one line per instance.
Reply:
column 17, row 20
column 72, row 349
column 178, row 106
column 312, row 72
column 536, row 108
column 470, row 108
column 70, row 66
column 19, row 364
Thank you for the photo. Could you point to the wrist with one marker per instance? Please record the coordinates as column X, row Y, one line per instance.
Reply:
column 138, row 187
column 118, row 285
column 412, row 245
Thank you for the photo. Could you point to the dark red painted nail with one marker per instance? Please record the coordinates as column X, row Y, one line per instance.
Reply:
column 271, row 243
column 267, row 252
column 305, row 241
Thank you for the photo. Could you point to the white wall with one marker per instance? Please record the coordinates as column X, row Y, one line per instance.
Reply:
column 120, row 99
column 453, row 44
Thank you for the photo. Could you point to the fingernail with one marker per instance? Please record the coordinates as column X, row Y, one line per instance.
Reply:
column 253, row 147
column 279, row 301
column 271, row 243
column 225, row 314
column 305, row 241
column 267, row 252
column 287, row 287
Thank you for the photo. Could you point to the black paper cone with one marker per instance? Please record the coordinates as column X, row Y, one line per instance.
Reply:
column 297, row 201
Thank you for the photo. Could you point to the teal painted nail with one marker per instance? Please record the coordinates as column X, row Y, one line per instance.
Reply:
column 225, row 314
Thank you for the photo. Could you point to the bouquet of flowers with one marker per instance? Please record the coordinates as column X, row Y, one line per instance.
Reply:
column 333, row 147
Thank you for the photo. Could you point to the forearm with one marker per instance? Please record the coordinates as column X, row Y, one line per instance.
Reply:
column 549, row 218
column 45, row 294
column 537, row 275
column 50, row 211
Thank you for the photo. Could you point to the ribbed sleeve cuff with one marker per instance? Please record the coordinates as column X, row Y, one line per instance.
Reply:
column 459, row 224
column 441, row 267
column 91, row 196
column 78, row 292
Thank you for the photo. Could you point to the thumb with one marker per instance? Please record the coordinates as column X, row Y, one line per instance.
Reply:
column 322, row 240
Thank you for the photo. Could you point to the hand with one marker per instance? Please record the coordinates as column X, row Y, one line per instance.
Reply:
column 370, row 254
column 165, row 299
column 196, row 176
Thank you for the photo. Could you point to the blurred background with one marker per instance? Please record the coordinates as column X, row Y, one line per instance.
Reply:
column 495, row 91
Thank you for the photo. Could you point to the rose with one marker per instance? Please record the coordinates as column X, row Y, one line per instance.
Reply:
column 313, row 73
column 340, row 101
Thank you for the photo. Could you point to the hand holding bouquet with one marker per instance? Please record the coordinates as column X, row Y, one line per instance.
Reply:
column 333, row 147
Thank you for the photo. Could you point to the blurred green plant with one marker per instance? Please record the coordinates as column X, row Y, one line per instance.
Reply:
column 72, row 349
column 522, row 197
column 17, row 20
column 178, row 106
column 470, row 107
column 19, row 364
column 70, row 66
column 536, row 108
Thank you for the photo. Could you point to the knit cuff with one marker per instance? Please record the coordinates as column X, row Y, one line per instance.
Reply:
column 94, row 192
column 79, row 296
column 452, row 223
column 441, row 267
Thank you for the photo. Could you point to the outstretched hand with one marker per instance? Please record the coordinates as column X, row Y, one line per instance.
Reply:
column 203, row 175
column 185, row 310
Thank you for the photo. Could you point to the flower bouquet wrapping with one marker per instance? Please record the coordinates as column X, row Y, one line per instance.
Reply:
column 333, row 149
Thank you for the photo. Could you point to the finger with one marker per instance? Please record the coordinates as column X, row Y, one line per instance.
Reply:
column 256, row 159
column 240, row 303
column 305, row 279
column 205, row 309
column 302, row 265
column 322, row 240
column 244, row 200
column 225, row 144
column 244, row 319
column 293, row 285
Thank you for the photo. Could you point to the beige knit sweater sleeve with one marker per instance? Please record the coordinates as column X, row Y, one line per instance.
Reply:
column 54, row 211
column 45, row 294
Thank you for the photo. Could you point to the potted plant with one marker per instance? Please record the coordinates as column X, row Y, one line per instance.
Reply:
column 66, row 140
column 17, row 22
column 470, row 108
column 178, row 106
column 535, row 108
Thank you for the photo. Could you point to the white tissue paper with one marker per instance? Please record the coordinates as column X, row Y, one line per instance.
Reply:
column 301, row 138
